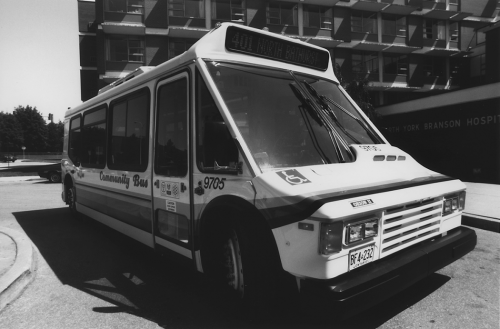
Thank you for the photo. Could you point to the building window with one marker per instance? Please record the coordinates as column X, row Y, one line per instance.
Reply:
column 394, row 25
column 478, row 65
column 229, row 10
column 126, row 50
column 125, row 6
column 94, row 138
column 434, row 29
column 434, row 67
column 455, row 68
column 129, row 142
column 364, row 62
column 480, row 37
column 318, row 17
column 362, row 21
column 177, row 47
column 396, row 64
column 282, row 13
column 454, row 31
column 186, row 8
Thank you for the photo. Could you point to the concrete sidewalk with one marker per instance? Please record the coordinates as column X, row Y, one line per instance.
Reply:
column 17, row 258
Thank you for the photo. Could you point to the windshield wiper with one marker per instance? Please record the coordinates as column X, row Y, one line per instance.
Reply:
column 332, row 133
column 323, row 99
column 307, row 104
column 328, row 124
column 332, row 114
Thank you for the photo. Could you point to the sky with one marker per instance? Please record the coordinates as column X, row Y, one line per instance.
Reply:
column 39, row 61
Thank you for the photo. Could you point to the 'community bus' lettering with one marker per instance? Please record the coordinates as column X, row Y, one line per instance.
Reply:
column 123, row 179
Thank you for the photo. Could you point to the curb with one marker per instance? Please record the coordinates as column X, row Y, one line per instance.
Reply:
column 13, row 282
column 481, row 222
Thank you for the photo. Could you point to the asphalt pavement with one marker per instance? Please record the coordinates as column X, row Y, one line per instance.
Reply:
column 18, row 261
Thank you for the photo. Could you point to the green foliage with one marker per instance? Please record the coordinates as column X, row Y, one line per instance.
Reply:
column 11, row 133
column 55, row 135
column 34, row 128
column 26, row 127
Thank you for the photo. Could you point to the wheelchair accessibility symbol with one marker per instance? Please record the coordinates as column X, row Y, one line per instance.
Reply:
column 293, row 177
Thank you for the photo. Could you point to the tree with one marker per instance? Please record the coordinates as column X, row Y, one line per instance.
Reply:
column 11, row 133
column 55, row 134
column 33, row 126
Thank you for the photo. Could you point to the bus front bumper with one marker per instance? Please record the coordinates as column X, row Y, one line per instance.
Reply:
column 371, row 284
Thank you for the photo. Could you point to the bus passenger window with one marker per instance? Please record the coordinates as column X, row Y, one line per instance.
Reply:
column 75, row 140
column 215, row 145
column 94, row 139
column 128, row 149
column 171, row 133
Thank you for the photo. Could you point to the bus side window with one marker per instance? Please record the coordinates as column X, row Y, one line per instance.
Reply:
column 171, row 133
column 75, row 140
column 94, row 138
column 215, row 145
column 128, row 147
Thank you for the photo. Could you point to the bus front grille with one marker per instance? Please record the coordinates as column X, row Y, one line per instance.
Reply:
column 405, row 225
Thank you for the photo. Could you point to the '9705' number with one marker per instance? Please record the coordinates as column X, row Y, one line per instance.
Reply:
column 214, row 183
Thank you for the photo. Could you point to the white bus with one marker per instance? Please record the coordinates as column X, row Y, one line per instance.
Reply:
column 246, row 156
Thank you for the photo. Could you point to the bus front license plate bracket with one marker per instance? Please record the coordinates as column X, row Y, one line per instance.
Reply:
column 362, row 256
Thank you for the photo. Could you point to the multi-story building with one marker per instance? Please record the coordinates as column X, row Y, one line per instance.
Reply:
column 406, row 49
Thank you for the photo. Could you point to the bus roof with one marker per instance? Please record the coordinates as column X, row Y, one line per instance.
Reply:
column 231, row 42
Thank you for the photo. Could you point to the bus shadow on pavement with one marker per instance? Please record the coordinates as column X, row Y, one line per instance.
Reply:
column 94, row 259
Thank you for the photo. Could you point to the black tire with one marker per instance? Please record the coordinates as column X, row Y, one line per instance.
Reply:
column 241, row 263
column 54, row 177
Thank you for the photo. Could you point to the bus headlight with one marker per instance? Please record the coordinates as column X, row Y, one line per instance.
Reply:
column 360, row 231
column 453, row 203
column 330, row 239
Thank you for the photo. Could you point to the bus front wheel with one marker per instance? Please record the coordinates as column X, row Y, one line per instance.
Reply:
column 241, row 263
column 71, row 200
column 233, row 264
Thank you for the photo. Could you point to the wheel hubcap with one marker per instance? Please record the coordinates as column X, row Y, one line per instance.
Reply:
column 232, row 264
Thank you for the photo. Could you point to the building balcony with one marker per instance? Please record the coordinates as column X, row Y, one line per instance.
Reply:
column 114, row 69
column 185, row 32
column 288, row 30
column 393, row 86
column 396, row 7
column 123, row 28
column 440, row 52
column 437, row 10
column 368, row 5
column 325, row 42
column 377, row 46
column 187, row 22
column 111, row 16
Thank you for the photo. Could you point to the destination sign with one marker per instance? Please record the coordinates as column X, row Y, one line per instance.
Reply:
column 261, row 45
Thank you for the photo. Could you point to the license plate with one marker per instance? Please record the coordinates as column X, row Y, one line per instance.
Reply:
column 361, row 256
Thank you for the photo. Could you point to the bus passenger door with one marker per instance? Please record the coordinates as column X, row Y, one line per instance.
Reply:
column 171, row 192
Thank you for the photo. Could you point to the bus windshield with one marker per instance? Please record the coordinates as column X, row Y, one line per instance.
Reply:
column 289, row 119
